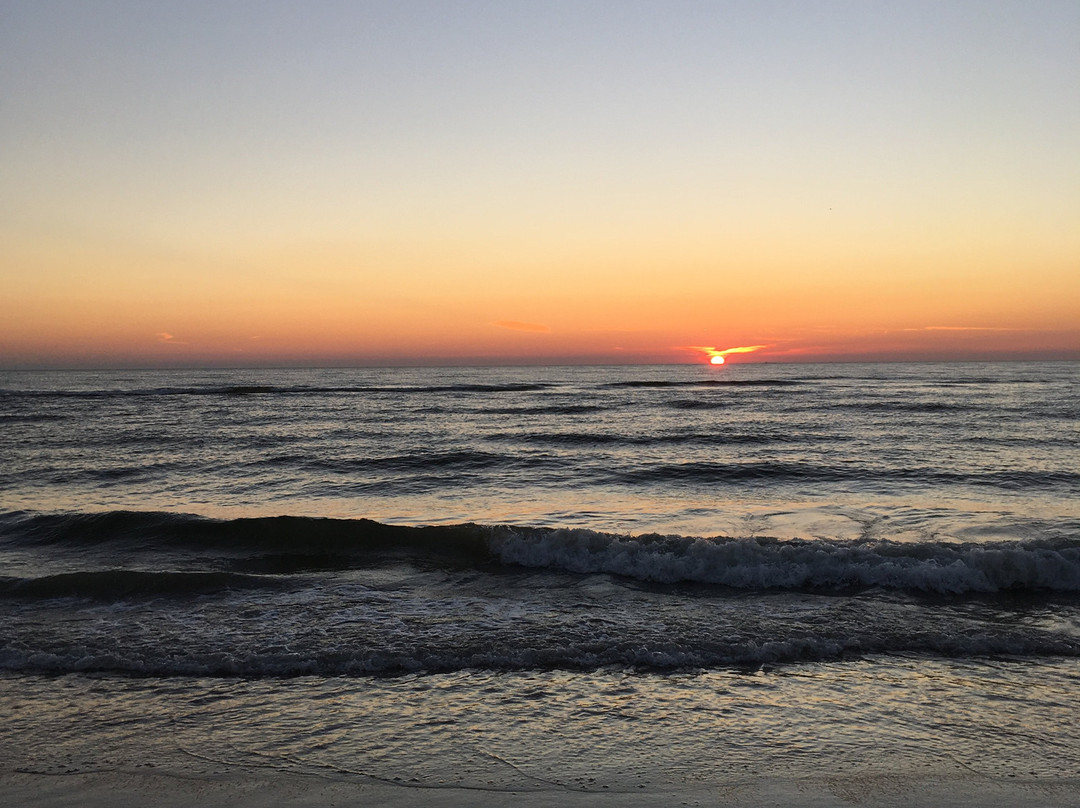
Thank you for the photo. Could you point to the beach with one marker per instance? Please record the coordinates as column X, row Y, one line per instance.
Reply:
column 124, row 790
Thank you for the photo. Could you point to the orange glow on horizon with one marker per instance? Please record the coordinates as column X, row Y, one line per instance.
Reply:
column 717, row 356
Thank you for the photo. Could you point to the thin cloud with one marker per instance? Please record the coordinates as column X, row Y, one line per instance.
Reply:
column 515, row 325
column 959, row 328
column 713, row 351
column 743, row 349
column 168, row 339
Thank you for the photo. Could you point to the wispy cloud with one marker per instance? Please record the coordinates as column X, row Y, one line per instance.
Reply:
column 958, row 328
column 713, row 351
column 168, row 339
column 515, row 325
column 743, row 349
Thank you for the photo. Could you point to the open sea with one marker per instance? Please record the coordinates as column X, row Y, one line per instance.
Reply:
column 544, row 579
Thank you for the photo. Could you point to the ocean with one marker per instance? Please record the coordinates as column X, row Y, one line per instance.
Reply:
column 552, row 580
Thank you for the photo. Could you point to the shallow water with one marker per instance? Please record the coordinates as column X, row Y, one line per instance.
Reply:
column 564, row 731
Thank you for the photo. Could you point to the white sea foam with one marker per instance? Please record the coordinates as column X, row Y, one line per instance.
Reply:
column 756, row 563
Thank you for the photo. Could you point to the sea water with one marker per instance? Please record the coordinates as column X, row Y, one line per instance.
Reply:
column 543, row 578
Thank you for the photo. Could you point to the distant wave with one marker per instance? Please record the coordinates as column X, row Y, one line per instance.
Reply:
column 283, row 543
column 254, row 390
column 549, row 409
column 766, row 471
column 420, row 461
column 726, row 438
column 708, row 383
column 908, row 406
column 426, row 469
column 30, row 418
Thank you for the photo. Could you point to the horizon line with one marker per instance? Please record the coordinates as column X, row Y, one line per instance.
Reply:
column 503, row 365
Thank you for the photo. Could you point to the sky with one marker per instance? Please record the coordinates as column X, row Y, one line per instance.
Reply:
column 463, row 182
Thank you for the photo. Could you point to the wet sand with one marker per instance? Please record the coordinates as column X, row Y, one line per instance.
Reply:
column 127, row 789
column 826, row 735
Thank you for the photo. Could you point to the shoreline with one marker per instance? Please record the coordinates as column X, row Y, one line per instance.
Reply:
column 877, row 733
column 247, row 789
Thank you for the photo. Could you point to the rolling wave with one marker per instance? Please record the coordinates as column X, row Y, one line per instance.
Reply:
column 754, row 563
column 163, row 531
column 120, row 584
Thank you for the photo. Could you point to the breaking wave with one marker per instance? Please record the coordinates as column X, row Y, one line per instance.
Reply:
column 753, row 563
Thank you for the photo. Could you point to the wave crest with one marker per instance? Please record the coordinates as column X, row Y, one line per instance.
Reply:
column 765, row 563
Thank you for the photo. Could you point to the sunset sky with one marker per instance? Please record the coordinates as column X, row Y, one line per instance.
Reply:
column 236, row 183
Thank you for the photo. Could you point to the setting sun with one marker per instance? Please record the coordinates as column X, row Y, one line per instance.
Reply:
column 717, row 356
